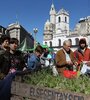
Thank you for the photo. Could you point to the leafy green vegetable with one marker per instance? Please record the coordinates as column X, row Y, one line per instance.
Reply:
column 45, row 78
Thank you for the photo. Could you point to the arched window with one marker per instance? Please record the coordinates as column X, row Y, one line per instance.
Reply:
column 59, row 42
column 70, row 41
column 59, row 19
column 45, row 43
column 65, row 19
column 50, row 44
column 77, row 41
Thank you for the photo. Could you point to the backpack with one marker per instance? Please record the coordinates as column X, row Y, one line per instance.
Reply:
column 33, row 62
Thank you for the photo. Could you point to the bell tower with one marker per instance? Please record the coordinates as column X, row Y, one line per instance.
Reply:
column 53, row 14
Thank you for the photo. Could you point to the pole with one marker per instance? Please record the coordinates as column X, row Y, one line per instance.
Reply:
column 35, row 31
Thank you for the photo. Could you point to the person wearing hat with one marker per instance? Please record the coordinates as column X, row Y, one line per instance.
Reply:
column 83, row 52
column 4, row 56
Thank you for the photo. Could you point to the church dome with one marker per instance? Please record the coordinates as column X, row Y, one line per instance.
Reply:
column 47, row 23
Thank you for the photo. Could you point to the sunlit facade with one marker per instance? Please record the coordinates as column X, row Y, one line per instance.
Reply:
column 56, row 29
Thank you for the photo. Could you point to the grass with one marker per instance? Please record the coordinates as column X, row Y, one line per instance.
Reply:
column 46, row 79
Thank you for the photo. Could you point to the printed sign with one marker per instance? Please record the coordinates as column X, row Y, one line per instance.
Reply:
column 40, row 93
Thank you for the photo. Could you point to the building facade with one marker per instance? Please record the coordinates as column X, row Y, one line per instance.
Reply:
column 56, row 29
column 17, row 31
column 2, row 30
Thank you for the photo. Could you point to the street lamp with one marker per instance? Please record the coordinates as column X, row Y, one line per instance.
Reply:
column 35, row 30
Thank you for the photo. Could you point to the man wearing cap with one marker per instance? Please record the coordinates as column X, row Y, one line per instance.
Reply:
column 83, row 52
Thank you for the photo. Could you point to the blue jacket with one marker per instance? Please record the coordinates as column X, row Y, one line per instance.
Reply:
column 33, row 62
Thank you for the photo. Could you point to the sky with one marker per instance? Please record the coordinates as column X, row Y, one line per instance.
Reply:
column 34, row 13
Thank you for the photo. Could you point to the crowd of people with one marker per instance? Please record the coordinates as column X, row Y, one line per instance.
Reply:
column 78, row 60
column 13, row 60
